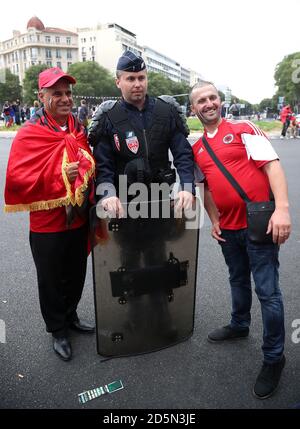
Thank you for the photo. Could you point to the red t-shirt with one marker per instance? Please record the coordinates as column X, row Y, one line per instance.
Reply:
column 53, row 220
column 228, row 146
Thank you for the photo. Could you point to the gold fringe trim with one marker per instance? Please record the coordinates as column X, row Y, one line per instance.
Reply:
column 37, row 205
column 64, row 164
column 70, row 198
column 79, row 197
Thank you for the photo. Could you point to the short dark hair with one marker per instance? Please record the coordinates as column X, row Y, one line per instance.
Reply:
column 200, row 84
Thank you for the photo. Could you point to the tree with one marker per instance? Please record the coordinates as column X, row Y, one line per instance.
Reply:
column 30, row 82
column 10, row 88
column 158, row 84
column 287, row 78
column 268, row 105
column 222, row 95
column 92, row 80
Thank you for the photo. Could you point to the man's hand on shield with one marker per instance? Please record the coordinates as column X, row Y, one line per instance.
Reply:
column 184, row 200
column 113, row 206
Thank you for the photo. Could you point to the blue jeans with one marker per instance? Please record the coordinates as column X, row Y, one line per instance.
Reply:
column 243, row 258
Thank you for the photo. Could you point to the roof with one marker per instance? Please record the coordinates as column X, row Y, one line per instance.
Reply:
column 59, row 30
column 35, row 22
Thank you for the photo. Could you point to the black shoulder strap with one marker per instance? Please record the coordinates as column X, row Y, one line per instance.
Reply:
column 226, row 173
column 161, row 111
column 117, row 115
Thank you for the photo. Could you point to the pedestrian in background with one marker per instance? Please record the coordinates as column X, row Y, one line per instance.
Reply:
column 83, row 113
column 285, row 116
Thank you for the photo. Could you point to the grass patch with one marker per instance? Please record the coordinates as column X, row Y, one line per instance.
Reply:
column 195, row 125
column 12, row 128
column 269, row 125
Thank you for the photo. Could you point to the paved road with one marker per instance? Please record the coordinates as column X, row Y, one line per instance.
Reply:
column 194, row 374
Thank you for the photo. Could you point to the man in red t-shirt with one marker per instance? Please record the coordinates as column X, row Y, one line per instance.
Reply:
column 248, row 155
column 50, row 174
column 285, row 117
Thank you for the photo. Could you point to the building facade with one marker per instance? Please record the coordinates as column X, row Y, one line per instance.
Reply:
column 54, row 47
column 160, row 63
column 105, row 44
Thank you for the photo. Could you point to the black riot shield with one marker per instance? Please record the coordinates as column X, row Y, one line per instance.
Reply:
column 144, row 272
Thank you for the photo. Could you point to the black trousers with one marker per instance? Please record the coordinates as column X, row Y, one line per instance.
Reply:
column 285, row 127
column 60, row 259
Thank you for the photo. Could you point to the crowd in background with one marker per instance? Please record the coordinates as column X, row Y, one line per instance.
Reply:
column 14, row 113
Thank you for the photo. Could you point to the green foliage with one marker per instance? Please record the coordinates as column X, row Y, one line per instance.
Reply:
column 10, row 89
column 30, row 83
column 287, row 74
column 159, row 84
column 92, row 80
column 268, row 103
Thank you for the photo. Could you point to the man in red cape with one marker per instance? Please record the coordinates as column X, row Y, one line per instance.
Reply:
column 50, row 173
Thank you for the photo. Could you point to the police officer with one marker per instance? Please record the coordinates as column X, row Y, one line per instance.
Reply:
column 132, row 137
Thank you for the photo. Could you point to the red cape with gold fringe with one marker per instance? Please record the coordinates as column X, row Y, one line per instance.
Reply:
column 36, row 177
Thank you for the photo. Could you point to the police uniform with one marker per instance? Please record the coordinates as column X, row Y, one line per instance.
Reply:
column 135, row 142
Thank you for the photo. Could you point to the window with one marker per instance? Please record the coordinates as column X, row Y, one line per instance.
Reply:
column 33, row 53
column 83, row 59
column 68, row 40
column 49, row 63
column 69, row 64
column 38, row 37
column 58, row 64
column 69, row 53
column 93, row 58
column 48, row 53
column 47, row 39
column 24, row 55
column 58, row 53
column 57, row 39
column 17, row 68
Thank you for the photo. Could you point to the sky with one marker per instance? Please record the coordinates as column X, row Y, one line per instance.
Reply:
column 234, row 43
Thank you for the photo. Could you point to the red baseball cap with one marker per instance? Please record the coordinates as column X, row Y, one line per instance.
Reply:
column 49, row 77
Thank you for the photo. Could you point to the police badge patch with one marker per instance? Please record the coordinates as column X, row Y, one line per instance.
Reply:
column 117, row 142
column 228, row 138
column 132, row 142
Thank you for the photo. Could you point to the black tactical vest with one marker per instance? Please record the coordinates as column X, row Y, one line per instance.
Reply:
column 150, row 144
